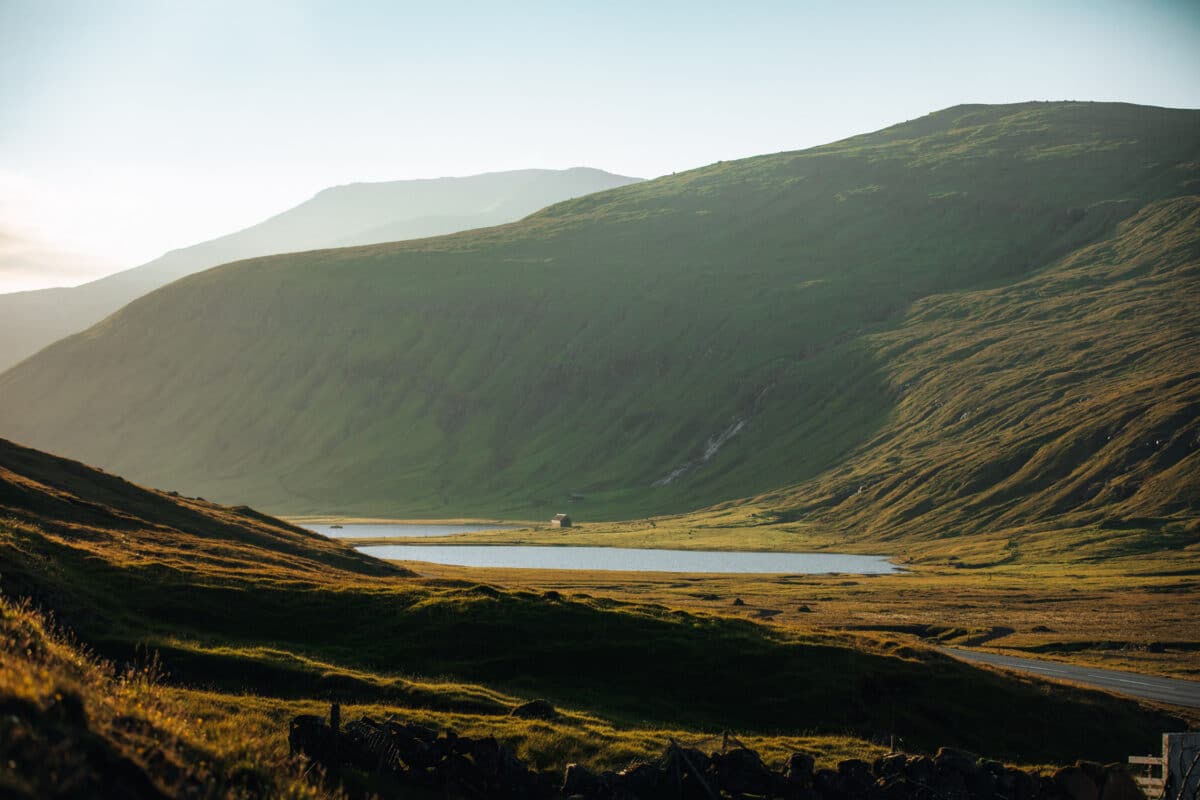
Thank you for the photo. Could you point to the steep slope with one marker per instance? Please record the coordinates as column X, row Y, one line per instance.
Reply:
column 656, row 347
column 1070, row 400
column 360, row 213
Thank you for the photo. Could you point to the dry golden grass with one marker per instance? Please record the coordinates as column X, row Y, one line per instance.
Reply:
column 1096, row 615
column 72, row 720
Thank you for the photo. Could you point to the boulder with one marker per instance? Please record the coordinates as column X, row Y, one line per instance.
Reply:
column 889, row 766
column 856, row 776
column 948, row 784
column 955, row 760
column 642, row 781
column 1120, row 785
column 579, row 780
column 828, row 784
column 920, row 769
column 897, row 788
column 741, row 771
column 1076, row 784
column 535, row 709
column 308, row 734
column 798, row 770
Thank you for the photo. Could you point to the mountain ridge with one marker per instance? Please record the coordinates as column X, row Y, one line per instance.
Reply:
column 33, row 319
column 604, row 342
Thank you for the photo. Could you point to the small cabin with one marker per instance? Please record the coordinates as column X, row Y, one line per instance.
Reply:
column 560, row 521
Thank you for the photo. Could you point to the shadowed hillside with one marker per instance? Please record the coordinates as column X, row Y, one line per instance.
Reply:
column 358, row 213
column 239, row 603
column 658, row 347
column 1070, row 400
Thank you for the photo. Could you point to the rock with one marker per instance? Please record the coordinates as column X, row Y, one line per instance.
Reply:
column 1119, row 785
column 741, row 771
column 798, row 769
column 920, row 769
column 897, row 788
column 890, row 766
column 949, row 785
column 643, row 780
column 579, row 780
column 737, row 601
column 955, row 760
column 1076, row 784
column 1021, row 785
column 535, row 709
column 804, row 609
column 308, row 734
column 980, row 783
column 1093, row 770
column 856, row 776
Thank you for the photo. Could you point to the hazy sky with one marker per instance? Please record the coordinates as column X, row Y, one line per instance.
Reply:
column 129, row 128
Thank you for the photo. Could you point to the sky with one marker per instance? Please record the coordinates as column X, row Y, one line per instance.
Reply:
column 128, row 128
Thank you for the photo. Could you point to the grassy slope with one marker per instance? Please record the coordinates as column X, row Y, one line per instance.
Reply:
column 1070, row 400
column 314, row 619
column 74, row 725
column 596, row 346
column 360, row 213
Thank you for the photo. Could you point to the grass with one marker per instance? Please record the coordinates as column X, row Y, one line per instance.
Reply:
column 837, row 300
column 1133, row 616
column 322, row 621
column 74, row 723
column 964, row 342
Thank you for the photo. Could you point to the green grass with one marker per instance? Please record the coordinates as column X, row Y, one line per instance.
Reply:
column 316, row 620
column 596, row 346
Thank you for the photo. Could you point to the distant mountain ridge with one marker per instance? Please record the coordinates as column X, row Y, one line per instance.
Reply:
column 980, row 320
column 357, row 213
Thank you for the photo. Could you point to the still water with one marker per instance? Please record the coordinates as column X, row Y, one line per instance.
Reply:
column 365, row 530
column 631, row 559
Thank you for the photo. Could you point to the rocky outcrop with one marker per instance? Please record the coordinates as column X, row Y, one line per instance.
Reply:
column 470, row 768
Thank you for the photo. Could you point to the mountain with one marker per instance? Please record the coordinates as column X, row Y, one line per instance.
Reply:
column 359, row 213
column 949, row 314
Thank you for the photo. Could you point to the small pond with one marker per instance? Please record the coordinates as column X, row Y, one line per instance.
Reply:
column 633, row 559
column 367, row 530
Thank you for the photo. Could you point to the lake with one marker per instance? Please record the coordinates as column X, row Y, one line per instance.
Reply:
column 366, row 530
column 633, row 559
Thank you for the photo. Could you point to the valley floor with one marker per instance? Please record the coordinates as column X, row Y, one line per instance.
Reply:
column 1129, row 613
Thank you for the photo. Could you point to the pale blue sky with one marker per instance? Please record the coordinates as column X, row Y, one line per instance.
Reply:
column 127, row 128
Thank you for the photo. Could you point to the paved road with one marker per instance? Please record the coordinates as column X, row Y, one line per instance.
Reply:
column 1164, row 690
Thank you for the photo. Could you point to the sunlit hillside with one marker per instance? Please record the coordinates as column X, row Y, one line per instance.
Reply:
column 915, row 313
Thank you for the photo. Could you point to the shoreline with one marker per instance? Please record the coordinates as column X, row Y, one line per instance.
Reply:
column 333, row 519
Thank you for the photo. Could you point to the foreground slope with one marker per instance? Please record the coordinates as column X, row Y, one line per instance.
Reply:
column 656, row 347
column 359, row 213
column 238, row 603
column 85, row 510
column 76, row 726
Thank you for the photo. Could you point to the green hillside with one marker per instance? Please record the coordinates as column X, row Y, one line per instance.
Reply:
column 243, row 609
column 852, row 315
column 1068, row 400
column 357, row 213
